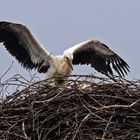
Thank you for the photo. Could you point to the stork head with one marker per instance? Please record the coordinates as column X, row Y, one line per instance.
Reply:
column 68, row 57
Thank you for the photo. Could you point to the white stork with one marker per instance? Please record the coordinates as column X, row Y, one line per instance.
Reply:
column 21, row 44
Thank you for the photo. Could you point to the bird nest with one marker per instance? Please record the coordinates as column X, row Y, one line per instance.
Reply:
column 84, row 108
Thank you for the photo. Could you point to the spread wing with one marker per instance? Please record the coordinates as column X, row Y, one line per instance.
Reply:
column 99, row 56
column 21, row 44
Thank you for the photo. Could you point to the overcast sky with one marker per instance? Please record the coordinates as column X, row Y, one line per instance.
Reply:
column 60, row 24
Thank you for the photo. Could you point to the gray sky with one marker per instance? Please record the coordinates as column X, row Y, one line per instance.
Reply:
column 58, row 25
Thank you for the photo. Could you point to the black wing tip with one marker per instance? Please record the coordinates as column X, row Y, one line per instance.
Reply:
column 122, row 69
column 119, row 65
column 125, row 68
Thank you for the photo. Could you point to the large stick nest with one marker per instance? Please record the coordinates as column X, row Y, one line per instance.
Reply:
column 85, row 108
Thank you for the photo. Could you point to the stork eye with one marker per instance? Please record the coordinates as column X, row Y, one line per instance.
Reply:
column 67, row 59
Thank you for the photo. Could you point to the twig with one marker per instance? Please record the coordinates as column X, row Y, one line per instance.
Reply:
column 84, row 119
column 6, row 71
column 105, row 131
column 23, row 129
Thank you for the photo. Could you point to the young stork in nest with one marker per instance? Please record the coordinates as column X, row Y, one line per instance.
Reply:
column 21, row 44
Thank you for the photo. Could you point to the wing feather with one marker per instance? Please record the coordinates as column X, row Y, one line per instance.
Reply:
column 21, row 44
column 99, row 56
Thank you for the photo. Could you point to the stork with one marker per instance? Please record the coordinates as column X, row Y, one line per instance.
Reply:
column 21, row 44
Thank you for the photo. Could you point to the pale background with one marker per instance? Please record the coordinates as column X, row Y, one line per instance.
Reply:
column 60, row 24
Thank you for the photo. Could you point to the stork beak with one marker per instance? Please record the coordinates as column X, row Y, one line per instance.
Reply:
column 70, row 63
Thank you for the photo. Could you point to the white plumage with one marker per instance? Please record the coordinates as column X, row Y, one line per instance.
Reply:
column 20, row 43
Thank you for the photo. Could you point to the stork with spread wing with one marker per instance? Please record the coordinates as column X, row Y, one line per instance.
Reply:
column 21, row 44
